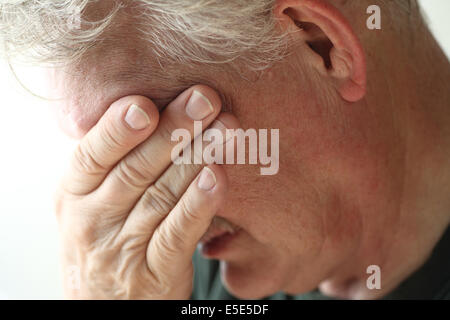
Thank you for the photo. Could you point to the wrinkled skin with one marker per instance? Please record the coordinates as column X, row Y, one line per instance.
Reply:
column 345, row 196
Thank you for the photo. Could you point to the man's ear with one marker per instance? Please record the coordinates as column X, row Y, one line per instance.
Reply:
column 336, row 50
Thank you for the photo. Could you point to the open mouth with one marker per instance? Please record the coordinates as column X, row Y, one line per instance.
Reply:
column 219, row 227
column 218, row 239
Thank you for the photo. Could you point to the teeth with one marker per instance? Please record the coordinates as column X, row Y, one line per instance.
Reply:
column 224, row 224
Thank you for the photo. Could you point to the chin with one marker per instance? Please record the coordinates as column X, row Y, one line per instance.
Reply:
column 244, row 283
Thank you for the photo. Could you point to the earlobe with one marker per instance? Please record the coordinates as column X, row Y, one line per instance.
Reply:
column 328, row 33
column 350, row 72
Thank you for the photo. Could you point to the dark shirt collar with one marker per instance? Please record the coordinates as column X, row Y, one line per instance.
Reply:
column 432, row 280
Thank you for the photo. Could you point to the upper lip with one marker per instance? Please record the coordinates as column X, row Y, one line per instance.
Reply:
column 219, row 226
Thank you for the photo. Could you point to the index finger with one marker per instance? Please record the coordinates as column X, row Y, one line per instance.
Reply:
column 126, row 123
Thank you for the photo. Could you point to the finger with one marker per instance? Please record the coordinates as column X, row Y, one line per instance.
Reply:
column 131, row 177
column 174, row 241
column 162, row 196
column 125, row 124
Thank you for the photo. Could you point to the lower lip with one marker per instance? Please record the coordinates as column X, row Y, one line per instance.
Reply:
column 218, row 246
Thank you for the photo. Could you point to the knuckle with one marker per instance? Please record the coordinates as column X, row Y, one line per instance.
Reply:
column 159, row 199
column 64, row 202
column 190, row 214
column 85, row 233
column 112, row 138
column 168, row 242
column 160, row 288
column 130, row 176
column 136, row 171
column 85, row 159
column 129, row 258
column 145, row 166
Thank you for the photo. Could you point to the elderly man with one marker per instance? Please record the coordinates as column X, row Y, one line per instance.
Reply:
column 360, row 205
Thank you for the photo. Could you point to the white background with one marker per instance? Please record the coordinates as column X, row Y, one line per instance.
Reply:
column 33, row 154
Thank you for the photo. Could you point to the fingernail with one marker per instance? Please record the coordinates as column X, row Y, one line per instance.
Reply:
column 207, row 179
column 198, row 107
column 137, row 118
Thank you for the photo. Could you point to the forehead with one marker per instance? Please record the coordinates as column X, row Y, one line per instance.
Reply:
column 119, row 68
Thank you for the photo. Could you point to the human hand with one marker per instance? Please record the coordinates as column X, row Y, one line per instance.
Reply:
column 129, row 218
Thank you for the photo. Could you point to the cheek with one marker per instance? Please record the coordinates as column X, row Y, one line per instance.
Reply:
column 279, row 212
column 76, row 117
column 296, row 210
column 82, row 99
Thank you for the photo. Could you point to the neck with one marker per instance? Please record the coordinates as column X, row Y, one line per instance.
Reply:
column 426, row 114
column 419, row 101
column 425, row 202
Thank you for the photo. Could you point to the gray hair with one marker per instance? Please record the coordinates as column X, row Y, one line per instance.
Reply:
column 46, row 30
column 203, row 31
column 183, row 31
